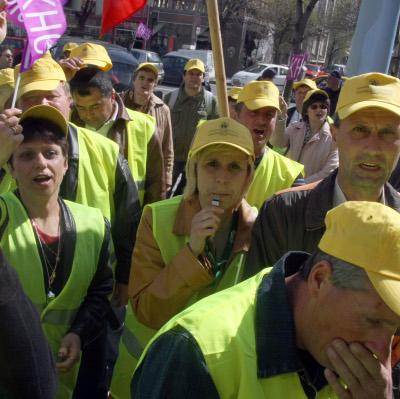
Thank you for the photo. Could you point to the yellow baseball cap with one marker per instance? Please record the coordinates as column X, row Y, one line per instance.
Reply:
column 259, row 94
column 92, row 54
column 47, row 113
column 222, row 131
column 234, row 92
column 195, row 63
column 69, row 46
column 367, row 234
column 313, row 93
column 150, row 66
column 305, row 82
column 7, row 77
column 45, row 75
column 369, row 90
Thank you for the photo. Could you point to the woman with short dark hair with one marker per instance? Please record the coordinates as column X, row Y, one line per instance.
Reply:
column 310, row 141
column 58, row 248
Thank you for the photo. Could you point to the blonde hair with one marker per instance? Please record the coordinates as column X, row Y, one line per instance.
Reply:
column 191, row 169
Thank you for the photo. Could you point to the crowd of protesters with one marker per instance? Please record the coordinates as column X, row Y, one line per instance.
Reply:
column 153, row 249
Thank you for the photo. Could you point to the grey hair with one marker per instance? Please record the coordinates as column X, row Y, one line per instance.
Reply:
column 344, row 275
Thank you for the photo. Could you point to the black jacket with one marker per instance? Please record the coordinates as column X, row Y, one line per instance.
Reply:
column 27, row 368
column 294, row 221
column 126, row 203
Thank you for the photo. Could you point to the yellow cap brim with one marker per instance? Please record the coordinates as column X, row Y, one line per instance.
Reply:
column 202, row 70
column 388, row 288
column 352, row 108
column 48, row 113
column 191, row 153
column 258, row 103
column 104, row 66
column 150, row 66
column 42, row 85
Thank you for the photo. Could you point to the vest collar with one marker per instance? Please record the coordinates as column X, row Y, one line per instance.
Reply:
column 275, row 331
column 321, row 201
column 247, row 215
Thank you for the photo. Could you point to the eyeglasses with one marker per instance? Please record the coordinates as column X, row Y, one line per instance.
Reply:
column 316, row 106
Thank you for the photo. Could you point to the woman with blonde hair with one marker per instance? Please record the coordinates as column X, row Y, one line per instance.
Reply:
column 190, row 246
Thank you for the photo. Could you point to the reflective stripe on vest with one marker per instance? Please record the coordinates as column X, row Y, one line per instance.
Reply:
column 98, row 158
column 18, row 243
column 136, row 335
column 234, row 352
column 139, row 132
column 274, row 173
column 7, row 182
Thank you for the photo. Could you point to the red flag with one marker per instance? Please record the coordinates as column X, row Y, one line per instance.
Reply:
column 115, row 12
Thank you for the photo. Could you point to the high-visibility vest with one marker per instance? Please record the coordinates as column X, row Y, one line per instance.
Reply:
column 136, row 335
column 98, row 158
column 18, row 243
column 274, row 173
column 232, row 358
column 7, row 182
column 139, row 132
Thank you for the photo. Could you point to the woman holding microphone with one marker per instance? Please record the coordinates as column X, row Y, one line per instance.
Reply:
column 193, row 245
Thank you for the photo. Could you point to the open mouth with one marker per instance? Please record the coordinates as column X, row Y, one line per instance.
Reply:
column 42, row 179
column 369, row 166
column 258, row 132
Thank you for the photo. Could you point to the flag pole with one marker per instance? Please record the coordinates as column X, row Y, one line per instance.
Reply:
column 218, row 55
column 14, row 99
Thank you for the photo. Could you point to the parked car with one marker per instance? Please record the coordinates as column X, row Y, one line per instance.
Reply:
column 124, row 63
column 151, row 57
column 255, row 71
column 174, row 64
column 337, row 67
column 314, row 70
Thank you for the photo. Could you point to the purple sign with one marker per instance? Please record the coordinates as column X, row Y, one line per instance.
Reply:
column 295, row 66
column 143, row 32
column 44, row 21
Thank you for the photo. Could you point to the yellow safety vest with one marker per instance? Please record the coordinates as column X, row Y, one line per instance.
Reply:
column 232, row 358
column 18, row 243
column 274, row 173
column 98, row 158
column 7, row 183
column 139, row 132
column 136, row 335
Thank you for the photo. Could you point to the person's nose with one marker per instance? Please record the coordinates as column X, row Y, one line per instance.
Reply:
column 44, row 101
column 222, row 175
column 380, row 346
column 41, row 161
column 373, row 143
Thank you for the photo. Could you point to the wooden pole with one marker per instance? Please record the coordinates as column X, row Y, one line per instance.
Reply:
column 218, row 55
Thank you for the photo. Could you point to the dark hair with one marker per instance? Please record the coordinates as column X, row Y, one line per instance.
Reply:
column 315, row 98
column 43, row 130
column 336, row 120
column 91, row 78
column 238, row 107
column 268, row 74
column 184, row 72
column 4, row 48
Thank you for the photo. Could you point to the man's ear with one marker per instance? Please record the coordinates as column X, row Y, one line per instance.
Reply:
column 334, row 131
column 319, row 277
column 113, row 95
